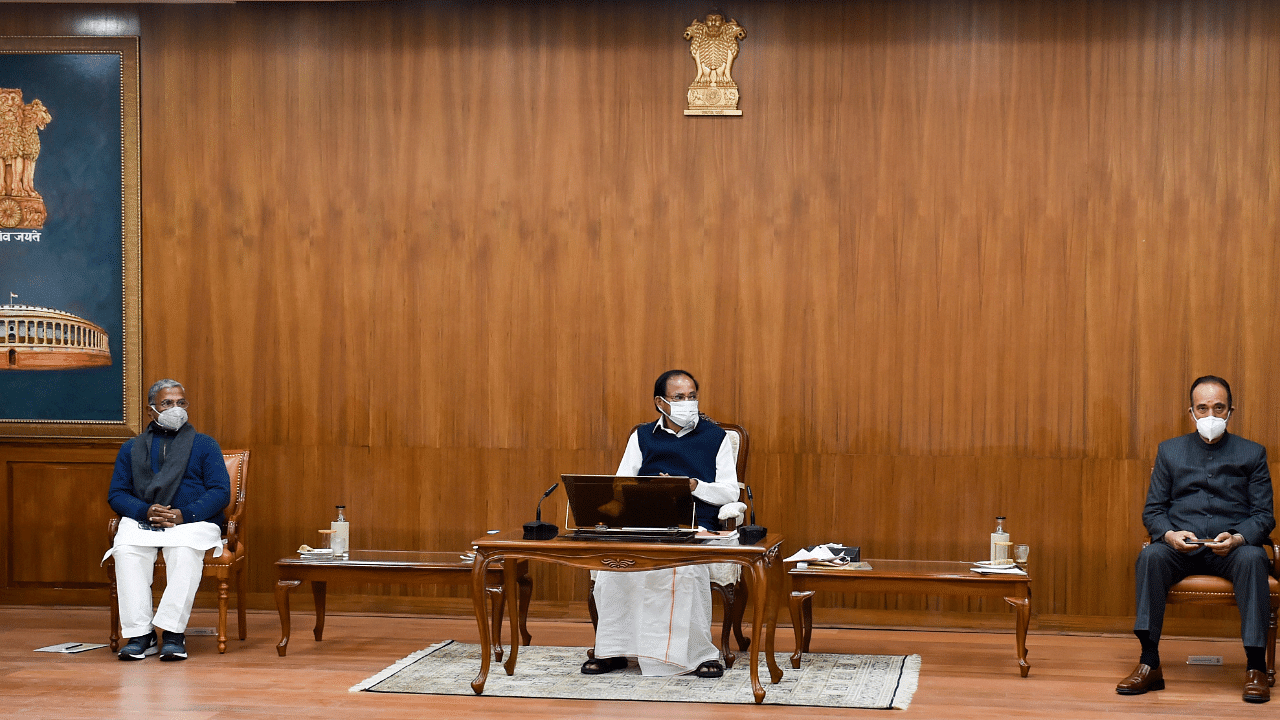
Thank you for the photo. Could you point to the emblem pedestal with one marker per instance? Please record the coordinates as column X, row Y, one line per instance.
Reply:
column 713, row 101
column 21, row 212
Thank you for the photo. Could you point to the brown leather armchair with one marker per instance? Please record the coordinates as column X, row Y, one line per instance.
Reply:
column 1213, row 590
column 733, row 595
column 228, row 567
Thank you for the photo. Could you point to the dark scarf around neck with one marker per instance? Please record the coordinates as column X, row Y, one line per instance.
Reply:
column 159, row 488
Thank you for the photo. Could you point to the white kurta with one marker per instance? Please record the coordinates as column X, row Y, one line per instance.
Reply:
column 135, row 551
column 663, row 617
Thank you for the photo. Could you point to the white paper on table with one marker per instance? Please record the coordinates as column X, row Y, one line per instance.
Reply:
column 71, row 647
column 817, row 554
column 1002, row 570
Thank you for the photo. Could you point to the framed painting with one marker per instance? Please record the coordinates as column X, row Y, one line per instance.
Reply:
column 70, row 238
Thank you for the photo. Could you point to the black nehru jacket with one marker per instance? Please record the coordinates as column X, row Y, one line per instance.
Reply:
column 1210, row 488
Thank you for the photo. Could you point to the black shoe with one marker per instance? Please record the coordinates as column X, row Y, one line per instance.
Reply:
column 139, row 647
column 600, row 666
column 174, row 647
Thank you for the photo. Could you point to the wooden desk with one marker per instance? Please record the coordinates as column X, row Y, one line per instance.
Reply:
column 907, row 577
column 408, row 567
column 760, row 562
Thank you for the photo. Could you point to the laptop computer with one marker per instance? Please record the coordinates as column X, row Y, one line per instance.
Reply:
column 654, row 508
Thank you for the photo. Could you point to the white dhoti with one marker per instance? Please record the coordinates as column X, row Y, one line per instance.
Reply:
column 662, row 618
column 134, row 551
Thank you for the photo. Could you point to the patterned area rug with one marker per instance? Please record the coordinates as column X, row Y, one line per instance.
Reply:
column 853, row 681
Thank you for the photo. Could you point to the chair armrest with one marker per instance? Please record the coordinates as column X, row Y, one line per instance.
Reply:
column 233, row 535
column 112, row 526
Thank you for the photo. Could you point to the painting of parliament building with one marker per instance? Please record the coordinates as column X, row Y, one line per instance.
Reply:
column 36, row 338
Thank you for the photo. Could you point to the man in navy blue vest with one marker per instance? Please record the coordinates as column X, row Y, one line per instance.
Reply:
column 663, row 617
column 1208, row 512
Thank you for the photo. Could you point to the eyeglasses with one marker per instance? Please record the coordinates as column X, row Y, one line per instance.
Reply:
column 170, row 404
column 682, row 398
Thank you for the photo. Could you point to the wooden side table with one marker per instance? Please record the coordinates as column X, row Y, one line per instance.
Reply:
column 907, row 577
column 408, row 567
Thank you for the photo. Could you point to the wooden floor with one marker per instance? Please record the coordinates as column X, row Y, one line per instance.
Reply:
column 964, row 674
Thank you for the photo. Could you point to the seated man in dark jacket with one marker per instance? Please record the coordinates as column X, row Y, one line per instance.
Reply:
column 170, row 487
column 1209, row 486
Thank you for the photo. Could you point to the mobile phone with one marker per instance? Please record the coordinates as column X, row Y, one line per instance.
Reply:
column 1198, row 541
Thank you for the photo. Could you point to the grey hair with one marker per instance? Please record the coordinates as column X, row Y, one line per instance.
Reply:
column 162, row 385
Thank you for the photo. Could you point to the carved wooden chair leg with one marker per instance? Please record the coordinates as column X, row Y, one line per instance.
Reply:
column 240, row 595
column 726, row 601
column 497, row 605
column 222, row 614
column 526, row 594
column 1271, row 649
column 114, row 601
column 740, row 595
column 595, row 616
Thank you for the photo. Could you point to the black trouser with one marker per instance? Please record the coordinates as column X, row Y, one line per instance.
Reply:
column 1159, row 567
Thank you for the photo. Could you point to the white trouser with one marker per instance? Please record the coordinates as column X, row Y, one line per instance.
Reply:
column 135, row 569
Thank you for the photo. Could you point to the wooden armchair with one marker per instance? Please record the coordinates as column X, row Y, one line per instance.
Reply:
column 1213, row 590
column 732, row 589
column 230, row 566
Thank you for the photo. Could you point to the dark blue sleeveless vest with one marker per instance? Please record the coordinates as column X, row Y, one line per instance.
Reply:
column 693, row 455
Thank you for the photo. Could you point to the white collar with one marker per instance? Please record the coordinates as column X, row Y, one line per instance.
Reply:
column 662, row 423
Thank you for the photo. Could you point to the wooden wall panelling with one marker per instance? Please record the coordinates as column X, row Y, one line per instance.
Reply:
column 955, row 260
column 55, row 517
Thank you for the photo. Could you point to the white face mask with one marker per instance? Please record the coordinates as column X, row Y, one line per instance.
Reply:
column 683, row 412
column 1211, row 427
column 171, row 419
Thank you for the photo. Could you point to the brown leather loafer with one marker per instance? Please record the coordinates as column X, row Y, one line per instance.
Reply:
column 1256, row 688
column 1144, row 678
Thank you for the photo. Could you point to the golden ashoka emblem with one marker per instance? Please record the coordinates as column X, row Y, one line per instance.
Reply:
column 617, row 563
column 10, row 213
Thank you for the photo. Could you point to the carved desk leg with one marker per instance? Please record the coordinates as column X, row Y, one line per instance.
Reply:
column 282, row 606
column 776, row 581
column 318, row 588
column 478, row 573
column 759, row 582
column 1023, row 607
column 510, row 589
column 801, row 622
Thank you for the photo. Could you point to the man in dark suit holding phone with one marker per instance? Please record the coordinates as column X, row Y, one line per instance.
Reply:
column 1209, row 511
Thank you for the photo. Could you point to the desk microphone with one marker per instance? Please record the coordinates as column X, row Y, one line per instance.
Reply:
column 538, row 530
column 753, row 533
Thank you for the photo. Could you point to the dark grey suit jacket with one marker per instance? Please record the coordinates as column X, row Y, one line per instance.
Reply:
column 1210, row 488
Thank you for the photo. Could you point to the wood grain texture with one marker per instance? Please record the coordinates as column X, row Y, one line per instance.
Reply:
column 955, row 260
column 965, row 676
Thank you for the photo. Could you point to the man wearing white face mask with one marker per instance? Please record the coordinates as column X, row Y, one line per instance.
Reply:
column 1209, row 486
column 663, row 617
column 170, row 487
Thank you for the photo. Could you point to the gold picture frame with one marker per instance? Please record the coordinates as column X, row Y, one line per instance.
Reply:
column 70, row 247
